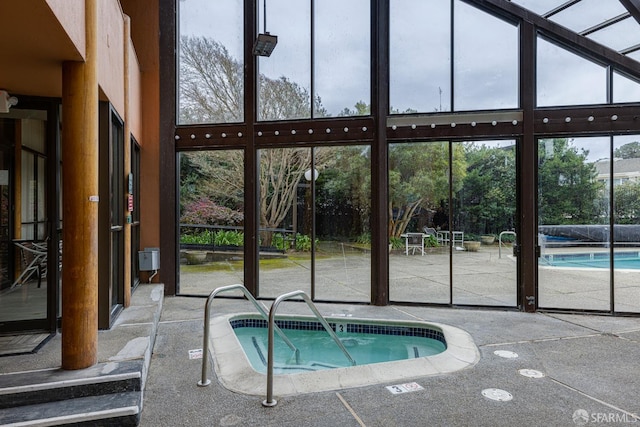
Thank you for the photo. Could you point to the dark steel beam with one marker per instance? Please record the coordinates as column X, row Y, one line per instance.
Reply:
column 379, row 155
column 251, row 154
column 168, row 184
column 527, row 177
column 633, row 6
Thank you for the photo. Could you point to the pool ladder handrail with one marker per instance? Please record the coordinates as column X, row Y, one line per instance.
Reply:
column 207, row 316
column 270, row 401
column 513, row 233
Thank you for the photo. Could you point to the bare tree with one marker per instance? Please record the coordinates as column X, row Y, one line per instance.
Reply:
column 211, row 91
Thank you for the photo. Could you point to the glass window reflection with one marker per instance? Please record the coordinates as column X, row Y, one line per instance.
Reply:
column 211, row 81
column 564, row 78
column 625, row 89
column 342, row 58
column 420, row 56
column 485, row 60
column 285, row 76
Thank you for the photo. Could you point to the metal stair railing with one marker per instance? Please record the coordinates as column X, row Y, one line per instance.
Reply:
column 270, row 401
column 207, row 316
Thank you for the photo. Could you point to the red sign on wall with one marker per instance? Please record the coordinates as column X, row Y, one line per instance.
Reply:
column 130, row 203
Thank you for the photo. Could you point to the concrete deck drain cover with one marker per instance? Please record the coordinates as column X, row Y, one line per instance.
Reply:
column 506, row 354
column 497, row 394
column 531, row 373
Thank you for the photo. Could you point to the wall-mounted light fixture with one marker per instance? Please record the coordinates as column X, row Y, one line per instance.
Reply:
column 265, row 43
column 6, row 101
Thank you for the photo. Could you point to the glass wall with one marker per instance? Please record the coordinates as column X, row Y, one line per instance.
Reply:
column 211, row 220
column 484, row 223
column 343, row 223
column 315, row 222
column 286, row 220
column 419, row 261
column 626, row 229
column 574, row 223
column 449, row 171
column 451, row 203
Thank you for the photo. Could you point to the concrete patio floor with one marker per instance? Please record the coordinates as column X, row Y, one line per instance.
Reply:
column 589, row 363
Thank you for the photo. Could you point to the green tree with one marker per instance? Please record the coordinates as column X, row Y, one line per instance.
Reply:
column 626, row 206
column 568, row 190
column 628, row 151
column 486, row 203
column 419, row 178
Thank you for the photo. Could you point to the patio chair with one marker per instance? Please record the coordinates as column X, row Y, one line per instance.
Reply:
column 33, row 257
column 414, row 241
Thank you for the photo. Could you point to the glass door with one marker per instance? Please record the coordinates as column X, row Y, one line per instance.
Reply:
column 27, row 282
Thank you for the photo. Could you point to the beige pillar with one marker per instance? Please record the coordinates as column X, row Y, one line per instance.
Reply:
column 80, row 203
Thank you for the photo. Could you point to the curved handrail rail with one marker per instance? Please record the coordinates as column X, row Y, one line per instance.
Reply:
column 270, row 401
column 207, row 316
column 513, row 233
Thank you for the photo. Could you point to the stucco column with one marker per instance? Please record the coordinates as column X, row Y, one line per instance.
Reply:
column 127, row 163
column 80, row 203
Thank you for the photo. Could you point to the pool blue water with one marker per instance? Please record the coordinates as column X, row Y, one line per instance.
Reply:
column 318, row 351
column 621, row 260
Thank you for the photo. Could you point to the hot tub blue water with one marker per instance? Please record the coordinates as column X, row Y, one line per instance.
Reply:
column 367, row 344
column 622, row 260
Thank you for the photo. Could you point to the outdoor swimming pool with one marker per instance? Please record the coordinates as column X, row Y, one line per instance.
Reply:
column 235, row 371
column 629, row 260
column 317, row 351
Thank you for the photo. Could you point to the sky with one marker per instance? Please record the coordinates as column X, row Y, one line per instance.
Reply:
column 485, row 52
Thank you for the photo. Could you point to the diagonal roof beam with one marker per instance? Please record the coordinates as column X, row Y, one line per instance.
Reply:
column 557, row 31
column 560, row 8
column 605, row 24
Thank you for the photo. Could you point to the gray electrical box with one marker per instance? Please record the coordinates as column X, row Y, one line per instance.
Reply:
column 149, row 259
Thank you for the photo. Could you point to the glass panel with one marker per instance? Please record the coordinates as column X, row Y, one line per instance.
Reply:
column 343, row 230
column 211, row 220
column 286, row 221
column 625, row 89
column 485, row 60
column 28, row 195
column 211, row 81
column 484, row 219
column 342, row 58
column 23, row 290
column 621, row 35
column 626, row 202
column 539, row 6
column 419, row 207
column 420, row 29
column 285, row 76
column 42, row 200
column 587, row 13
column 573, row 224
column 564, row 78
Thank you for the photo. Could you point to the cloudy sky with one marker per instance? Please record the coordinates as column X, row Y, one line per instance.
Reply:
column 485, row 63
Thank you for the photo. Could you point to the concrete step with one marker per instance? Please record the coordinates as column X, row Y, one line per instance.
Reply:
column 115, row 409
column 104, row 394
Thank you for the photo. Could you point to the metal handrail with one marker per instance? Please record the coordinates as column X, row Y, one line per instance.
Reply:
column 500, row 241
column 207, row 316
column 270, row 401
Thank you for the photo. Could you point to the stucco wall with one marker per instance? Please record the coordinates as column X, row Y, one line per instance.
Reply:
column 70, row 14
column 111, row 52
